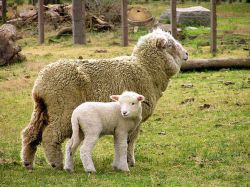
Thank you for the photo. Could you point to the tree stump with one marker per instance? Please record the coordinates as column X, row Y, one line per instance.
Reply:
column 9, row 50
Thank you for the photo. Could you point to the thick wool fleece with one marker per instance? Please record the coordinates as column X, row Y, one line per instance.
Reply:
column 62, row 86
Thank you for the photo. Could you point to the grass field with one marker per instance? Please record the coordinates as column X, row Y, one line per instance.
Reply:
column 182, row 144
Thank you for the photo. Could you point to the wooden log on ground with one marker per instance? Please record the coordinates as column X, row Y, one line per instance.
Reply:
column 64, row 32
column 218, row 63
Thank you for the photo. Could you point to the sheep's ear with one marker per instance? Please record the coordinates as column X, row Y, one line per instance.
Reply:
column 141, row 98
column 170, row 43
column 161, row 43
column 114, row 97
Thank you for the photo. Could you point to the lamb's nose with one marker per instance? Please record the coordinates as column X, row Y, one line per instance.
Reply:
column 125, row 113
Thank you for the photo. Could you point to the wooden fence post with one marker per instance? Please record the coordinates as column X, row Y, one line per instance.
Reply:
column 124, row 9
column 84, row 21
column 41, row 21
column 173, row 18
column 213, row 20
column 77, row 22
column 4, row 10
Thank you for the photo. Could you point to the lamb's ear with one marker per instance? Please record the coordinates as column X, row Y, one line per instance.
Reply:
column 140, row 98
column 161, row 43
column 115, row 97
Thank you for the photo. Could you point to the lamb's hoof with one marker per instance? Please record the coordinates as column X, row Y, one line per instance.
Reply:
column 124, row 169
column 69, row 170
column 90, row 171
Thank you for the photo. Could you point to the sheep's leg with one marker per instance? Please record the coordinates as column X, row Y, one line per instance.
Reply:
column 28, row 154
column 52, row 146
column 85, row 152
column 131, row 146
column 32, row 134
column 70, row 151
column 120, row 161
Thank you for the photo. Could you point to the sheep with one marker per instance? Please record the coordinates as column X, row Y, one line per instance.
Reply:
column 61, row 86
column 97, row 119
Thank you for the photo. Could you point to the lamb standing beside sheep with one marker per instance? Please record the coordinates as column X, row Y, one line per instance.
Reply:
column 62, row 86
column 96, row 119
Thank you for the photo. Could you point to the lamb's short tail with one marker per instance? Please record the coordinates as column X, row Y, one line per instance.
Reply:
column 75, row 138
column 32, row 134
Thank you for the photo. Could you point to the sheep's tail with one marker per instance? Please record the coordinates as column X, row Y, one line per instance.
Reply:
column 32, row 134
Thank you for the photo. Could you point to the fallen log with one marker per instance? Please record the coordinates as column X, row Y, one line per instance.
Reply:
column 216, row 63
column 64, row 32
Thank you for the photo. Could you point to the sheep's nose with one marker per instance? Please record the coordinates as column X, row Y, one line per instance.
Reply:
column 186, row 57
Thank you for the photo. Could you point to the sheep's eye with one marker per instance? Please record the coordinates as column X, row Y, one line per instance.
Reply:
column 132, row 103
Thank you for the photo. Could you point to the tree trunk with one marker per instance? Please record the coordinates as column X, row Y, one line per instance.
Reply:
column 77, row 19
column 124, row 9
column 173, row 18
column 213, row 20
column 41, row 21
column 203, row 64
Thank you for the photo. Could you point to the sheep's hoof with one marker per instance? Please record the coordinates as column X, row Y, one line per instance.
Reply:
column 131, row 163
column 131, row 160
column 28, row 166
column 59, row 167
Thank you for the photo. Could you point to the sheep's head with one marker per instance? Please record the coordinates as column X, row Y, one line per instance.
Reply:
column 163, row 42
column 130, row 103
column 172, row 47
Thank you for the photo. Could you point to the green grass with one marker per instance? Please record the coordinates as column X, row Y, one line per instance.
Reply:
column 200, row 147
column 180, row 145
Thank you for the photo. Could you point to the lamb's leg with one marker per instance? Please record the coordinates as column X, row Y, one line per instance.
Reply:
column 85, row 152
column 70, row 151
column 120, row 161
column 52, row 146
column 131, row 146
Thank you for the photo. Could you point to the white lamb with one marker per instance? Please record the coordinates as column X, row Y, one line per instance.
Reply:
column 95, row 119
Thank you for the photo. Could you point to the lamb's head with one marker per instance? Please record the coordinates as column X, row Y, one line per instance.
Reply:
column 130, row 103
column 163, row 44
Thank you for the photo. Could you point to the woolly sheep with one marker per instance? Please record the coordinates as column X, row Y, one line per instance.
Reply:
column 96, row 119
column 62, row 86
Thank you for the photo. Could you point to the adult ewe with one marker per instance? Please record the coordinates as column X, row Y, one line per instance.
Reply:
column 62, row 86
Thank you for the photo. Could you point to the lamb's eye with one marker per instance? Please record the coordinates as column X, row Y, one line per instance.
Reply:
column 132, row 103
